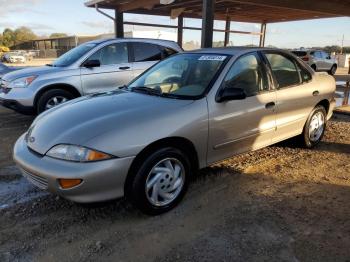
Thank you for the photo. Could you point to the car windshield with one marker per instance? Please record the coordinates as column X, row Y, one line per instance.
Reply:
column 181, row 76
column 299, row 53
column 73, row 55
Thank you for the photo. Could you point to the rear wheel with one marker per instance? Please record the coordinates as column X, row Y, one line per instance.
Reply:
column 53, row 98
column 314, row 128
column 333, row 70
column 160, row 182
column 314, row 67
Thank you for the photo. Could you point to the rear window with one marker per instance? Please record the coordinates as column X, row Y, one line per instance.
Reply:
column 299, row 53
column 144, row 52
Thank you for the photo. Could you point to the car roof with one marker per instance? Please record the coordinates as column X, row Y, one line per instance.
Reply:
column 234, row 50
column 166, row 43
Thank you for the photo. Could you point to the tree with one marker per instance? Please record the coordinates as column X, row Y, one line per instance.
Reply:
column 23, row 34
column 8, row 37
column 57, row 35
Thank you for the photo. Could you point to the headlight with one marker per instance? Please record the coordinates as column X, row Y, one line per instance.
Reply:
column 76, row 153
column 22, row 82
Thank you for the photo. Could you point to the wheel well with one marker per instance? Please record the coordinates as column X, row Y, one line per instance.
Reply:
column 183, row 144
column 66, row 87
column 325, row 104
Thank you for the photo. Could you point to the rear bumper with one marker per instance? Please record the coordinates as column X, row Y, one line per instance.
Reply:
column 332, row 105
column 102, row 180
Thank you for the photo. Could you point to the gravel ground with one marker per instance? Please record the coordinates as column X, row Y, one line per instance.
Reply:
column 281, row 203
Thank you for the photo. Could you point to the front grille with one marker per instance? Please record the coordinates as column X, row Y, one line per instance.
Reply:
column 38, row 181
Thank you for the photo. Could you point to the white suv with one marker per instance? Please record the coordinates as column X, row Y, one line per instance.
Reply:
column 318, row 60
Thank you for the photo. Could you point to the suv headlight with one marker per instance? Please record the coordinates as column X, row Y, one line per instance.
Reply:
column 22, row 82
column 76, row 153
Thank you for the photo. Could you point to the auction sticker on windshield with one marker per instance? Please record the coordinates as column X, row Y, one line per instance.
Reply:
column 212, row 58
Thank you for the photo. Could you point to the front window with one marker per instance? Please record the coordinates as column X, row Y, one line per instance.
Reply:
column 247, row 74
column 112, row 54
column 181, row 76
column 73, row 55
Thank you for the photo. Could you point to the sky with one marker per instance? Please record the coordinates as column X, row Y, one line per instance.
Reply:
column 72, row 17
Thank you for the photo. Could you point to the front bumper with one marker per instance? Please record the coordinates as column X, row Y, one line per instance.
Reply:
column 102, row 180
column 14, row 105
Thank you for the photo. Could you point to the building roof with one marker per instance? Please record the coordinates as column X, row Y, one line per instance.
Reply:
column 256, row 11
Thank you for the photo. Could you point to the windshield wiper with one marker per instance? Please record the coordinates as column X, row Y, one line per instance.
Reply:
column 147, row 90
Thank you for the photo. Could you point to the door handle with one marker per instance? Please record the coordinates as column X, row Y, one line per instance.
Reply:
column 124, row 67
column 270, row 105
column 316, row 93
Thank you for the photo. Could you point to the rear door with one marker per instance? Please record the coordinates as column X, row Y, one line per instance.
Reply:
column 115, row 69
column 295, row 94
column 144, row 55
column 242, row 125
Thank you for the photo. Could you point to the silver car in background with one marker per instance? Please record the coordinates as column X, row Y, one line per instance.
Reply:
column 96, row 66
column 189, row 111
column 318, row 60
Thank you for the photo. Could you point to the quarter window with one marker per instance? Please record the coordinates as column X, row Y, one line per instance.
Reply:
column 144, row 52
column 112, row 54
column 247, row 74
column 284, row 70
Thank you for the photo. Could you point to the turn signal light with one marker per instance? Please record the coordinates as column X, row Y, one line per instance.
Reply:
column 69, row 183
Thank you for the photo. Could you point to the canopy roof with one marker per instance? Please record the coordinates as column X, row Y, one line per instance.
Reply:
column 255, row 11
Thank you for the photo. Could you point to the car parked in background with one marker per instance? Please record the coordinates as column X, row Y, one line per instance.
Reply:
column 96, row 66
column 189, row 111
column 14, row 57
column 318, row 60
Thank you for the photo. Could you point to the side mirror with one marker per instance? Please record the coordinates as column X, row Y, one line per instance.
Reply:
column 231, row 93
column 92, row 63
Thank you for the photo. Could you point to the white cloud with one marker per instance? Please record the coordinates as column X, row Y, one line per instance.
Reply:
column 17, row 6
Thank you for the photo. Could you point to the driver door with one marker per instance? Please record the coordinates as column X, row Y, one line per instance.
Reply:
column 239, row 126
column 115, row 69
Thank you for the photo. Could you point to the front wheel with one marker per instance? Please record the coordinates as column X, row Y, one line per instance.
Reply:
column 160, row 182
column 53, row 98
column 314, row 128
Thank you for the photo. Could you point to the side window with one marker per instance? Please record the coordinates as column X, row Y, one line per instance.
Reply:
column 247, row 74
column 168, row 52
column 112, row 54
column 144, row 52
column 305, row 75
column 284, row 70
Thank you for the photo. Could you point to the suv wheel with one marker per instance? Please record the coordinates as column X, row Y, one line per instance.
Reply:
column 314, row 128
column 333, row 70
column 52, row 98
column 160, row 182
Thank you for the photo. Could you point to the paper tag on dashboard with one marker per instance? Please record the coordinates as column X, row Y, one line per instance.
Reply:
column 212, row 58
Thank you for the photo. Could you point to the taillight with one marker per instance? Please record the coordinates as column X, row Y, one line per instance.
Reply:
column 305, row 58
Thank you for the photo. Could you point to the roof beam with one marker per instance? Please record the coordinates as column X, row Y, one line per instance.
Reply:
column 334, row 7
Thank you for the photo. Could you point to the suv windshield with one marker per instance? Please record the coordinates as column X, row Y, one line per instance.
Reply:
column 181, row 76
column 73, row 55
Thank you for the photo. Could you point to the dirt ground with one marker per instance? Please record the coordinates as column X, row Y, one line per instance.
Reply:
column 282, row 203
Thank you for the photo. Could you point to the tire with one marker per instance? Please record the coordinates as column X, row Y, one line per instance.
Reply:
column 142, row 196
column 314, row 67
column 333, row 70
column 310, row 140
column 48, row 96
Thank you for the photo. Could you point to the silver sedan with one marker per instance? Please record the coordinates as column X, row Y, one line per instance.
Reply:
column 147, row 139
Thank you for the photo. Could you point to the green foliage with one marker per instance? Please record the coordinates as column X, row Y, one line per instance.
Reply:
column 57, row 35
column 12, row 37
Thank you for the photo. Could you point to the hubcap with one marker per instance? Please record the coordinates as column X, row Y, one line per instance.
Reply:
column 55, row 101
column 316, row 127
column 165, row 182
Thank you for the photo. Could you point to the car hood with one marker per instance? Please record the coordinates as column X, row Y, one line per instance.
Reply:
column 81, row 120
column 30, row 72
